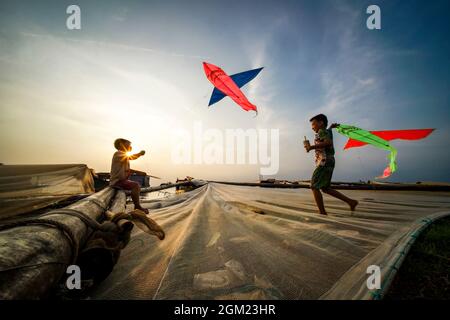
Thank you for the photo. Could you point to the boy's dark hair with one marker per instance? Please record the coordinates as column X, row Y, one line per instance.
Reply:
column 320, row 117
column 119, row 142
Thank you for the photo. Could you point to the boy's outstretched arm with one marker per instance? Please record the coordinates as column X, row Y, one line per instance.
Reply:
column 136, row 155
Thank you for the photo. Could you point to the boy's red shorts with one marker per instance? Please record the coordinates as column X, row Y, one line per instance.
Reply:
column 126, row 184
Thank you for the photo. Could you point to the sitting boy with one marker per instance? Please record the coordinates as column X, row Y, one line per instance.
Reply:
column 120, row 171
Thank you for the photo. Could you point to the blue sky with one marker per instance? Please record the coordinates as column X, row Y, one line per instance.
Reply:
column 134, row 70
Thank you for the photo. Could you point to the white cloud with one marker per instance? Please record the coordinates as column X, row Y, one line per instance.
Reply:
column 107, row 44
column 349, row 76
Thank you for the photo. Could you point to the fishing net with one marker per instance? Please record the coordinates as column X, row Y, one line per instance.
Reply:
column 235, row 242
column 24, row 188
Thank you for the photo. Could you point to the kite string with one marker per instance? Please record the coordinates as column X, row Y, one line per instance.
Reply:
column 361, row 164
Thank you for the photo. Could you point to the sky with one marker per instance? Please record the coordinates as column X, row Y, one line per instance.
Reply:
column 134, row 70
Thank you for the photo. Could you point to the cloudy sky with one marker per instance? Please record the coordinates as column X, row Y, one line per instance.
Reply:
column 134, row 70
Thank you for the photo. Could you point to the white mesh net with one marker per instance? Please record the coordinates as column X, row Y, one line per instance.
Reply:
column 233, row 242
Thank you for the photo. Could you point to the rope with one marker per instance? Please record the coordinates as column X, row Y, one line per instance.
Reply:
column 33, row 265
column 73, row 243
column 51, row 223
column 82, row 216
column 68, row 233
column 60, row 226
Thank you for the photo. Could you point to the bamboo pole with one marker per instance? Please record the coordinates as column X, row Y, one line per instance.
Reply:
column 165, row 186
column 342, row 186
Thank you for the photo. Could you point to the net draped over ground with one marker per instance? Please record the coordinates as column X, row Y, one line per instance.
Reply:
column 25, row 188
column 235, row 242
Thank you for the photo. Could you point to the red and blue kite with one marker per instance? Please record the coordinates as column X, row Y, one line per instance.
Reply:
column 225, row 85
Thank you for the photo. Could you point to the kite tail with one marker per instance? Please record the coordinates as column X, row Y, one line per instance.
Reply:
column 392, row 167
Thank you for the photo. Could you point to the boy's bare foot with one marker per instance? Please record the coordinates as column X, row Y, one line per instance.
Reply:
column 323, row 213
column 142, row 209
column 353, row 204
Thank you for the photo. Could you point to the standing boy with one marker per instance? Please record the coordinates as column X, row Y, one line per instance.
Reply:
column 324, row 158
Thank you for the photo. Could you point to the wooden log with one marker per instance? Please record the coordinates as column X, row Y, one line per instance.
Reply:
column 102, row 251
column 119, row 206
column 119, row 203
column 35, row 253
